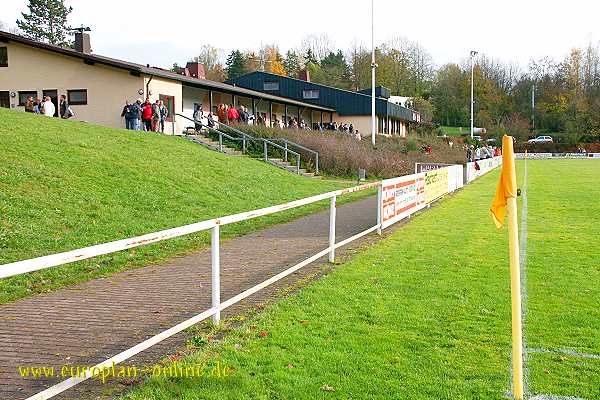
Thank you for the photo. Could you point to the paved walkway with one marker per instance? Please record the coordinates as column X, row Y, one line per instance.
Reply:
column 89, row 322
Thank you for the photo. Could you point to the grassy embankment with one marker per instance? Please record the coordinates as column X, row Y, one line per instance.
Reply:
column 65, row 185
column 425, row 313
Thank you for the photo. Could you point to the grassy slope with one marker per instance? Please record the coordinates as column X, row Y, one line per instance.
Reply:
column 65, row 185
column 453, row 130
column 425, row 314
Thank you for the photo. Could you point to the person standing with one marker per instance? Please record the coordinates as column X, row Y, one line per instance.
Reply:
column 232, row 114
column 37, row 106
column 48, row 107
column 64, row 110
column 136, row 115
column 147, row 116
column 164, row 113
column 29, row 106
column 125, row 113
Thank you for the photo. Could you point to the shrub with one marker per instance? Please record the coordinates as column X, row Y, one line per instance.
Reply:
column 341, row 154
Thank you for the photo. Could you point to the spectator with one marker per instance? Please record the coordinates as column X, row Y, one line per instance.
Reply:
column 124, row 114
column 357, row 135
column 198, row 115
column 136, row 114
column 29, row 106
column 222, row 113
column 164, row 113
column 155, row 116
column 232, row 114
column 48, row 108
column 64, row 109
column 147, row 116
column 351, row 128
column 37, row 106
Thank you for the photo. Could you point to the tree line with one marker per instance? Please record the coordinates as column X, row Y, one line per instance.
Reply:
column 566, row 92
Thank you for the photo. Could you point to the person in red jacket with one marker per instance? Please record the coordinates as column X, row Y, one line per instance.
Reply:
column 232, row 114
column 147, row 116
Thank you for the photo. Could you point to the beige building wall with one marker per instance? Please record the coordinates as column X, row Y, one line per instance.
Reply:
column 363, row 124
column 156, row 87
column 36, row 69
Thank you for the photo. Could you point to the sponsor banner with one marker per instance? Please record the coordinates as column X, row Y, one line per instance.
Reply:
column 485, row 166
column 401, row 197
column 455, row 178
column 546, row 156
column 436, row 184
column 424, row 167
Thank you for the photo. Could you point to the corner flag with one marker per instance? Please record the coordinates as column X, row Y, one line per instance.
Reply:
column 507, row 185
column 506, row 198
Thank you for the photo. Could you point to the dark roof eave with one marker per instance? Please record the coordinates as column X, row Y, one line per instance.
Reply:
column 141, row 69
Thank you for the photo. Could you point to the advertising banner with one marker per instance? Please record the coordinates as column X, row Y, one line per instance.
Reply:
column 424, row 167
column 401, row 197
column 436, row 184
column 485, row 166
column 455, row 178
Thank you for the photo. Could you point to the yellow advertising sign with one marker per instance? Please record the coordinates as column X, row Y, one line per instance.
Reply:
column 436, row 184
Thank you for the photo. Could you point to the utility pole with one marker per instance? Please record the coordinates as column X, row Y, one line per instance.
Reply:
column 473, row 54
column 373, row 68
column 533, row 107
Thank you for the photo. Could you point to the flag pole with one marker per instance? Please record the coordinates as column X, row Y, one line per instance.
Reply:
column 515, row 288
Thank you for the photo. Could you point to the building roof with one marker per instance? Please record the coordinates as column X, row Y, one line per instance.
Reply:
column 345, row 102
column 154, row 71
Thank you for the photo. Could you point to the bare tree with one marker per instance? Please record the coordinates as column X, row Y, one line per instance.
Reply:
column 319, row 44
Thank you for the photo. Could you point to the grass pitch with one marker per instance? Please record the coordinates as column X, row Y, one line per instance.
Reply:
column 425, row 313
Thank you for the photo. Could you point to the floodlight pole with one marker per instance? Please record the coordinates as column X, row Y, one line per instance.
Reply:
column 473, row 54
column 373, row 67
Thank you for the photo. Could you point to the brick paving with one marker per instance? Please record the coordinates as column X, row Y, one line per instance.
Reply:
column 86, row 323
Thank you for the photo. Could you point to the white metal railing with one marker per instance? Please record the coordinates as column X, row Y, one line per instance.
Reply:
column 40, row 263
column 397, row 193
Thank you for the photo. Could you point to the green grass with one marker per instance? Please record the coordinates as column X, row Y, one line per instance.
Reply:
column 65, row 185
column 453, row 130
column 425, row 313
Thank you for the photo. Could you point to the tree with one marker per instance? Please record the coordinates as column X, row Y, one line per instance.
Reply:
column 292, row 64
column 46, row 22
column 209, row 56
column 273, row 60
column 235, row 65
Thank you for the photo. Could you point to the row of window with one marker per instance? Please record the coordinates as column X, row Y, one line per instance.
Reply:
column 75, row 97
column 273, row 86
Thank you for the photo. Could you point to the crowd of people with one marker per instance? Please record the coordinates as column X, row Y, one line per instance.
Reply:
column 229, row 114
column 481, row 152
column 46, row 107
column 146, row 116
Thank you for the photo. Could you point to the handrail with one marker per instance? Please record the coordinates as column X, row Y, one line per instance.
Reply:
column 286, row 142
column 245, row 137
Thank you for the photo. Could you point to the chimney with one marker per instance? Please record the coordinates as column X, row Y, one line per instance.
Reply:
column 196, row 70
column 82, row 42
column 304, row 75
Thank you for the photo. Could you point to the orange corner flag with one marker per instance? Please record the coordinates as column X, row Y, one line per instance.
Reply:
column 507, row 185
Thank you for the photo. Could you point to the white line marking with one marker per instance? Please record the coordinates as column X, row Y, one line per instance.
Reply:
column 565, row 352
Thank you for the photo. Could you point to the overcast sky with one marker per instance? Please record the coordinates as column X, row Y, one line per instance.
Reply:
column 161, row 32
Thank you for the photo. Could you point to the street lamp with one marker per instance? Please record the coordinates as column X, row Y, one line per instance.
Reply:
column 373, row 68
column 473, row 54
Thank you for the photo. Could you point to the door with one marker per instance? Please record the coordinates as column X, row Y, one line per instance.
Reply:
column 54, row 96
column 169, row 102
column 5, row 99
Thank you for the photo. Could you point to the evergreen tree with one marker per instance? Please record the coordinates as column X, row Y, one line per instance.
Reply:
column 292, row 64
column 235, row 65
column 46, row 22
column 310, row 57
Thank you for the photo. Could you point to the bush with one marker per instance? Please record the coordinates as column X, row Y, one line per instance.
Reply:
column 341, row 154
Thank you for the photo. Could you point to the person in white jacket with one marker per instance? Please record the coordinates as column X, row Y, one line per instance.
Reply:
column 49, row 108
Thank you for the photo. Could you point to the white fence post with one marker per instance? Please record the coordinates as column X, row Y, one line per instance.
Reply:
column 216, row 273
column 332, row 210
column 379, row 194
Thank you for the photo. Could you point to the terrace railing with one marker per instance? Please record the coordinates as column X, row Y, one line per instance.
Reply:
column 245, row 139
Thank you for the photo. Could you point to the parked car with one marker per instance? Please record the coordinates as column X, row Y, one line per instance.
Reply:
column 541, row 139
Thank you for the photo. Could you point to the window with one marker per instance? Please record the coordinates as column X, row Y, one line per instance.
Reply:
column 271, row 86
column 25, row 94
column 310, row 94
column 3, row 57
column 77, row 97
